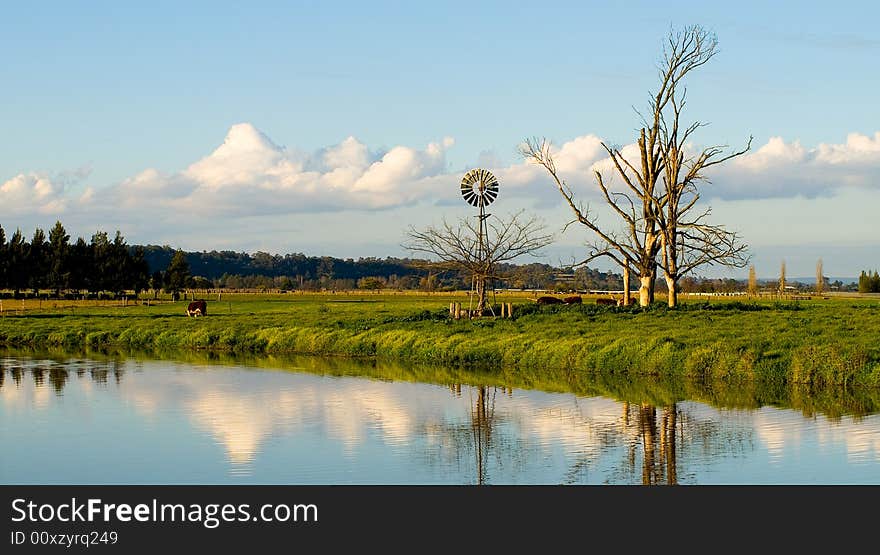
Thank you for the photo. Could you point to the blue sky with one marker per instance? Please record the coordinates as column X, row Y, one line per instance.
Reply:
column 96, row 94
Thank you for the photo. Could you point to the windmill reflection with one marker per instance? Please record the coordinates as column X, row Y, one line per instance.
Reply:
column 478, row 436
column 482, row 421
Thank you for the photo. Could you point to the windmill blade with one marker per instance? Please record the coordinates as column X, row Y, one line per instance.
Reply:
column 479, row 187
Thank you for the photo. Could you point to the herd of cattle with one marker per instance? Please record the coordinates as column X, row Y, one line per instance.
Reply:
column 579, row 300
column 200, row 307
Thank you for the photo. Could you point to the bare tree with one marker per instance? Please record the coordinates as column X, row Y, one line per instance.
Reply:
column 688, row 240
column 820, row 278
column 457, row 247
column 624, row 248
column 661, row 189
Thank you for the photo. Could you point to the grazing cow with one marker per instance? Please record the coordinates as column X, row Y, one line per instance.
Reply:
column 549, row 300
column 197, row 308
column 632, row 301
column 610, row 302
column 576, row 299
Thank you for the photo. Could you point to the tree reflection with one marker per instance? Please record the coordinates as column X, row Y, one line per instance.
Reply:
column 58, row 378
column 59, row 373
column 659, row 463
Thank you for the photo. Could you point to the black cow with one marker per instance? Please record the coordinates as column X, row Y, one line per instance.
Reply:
column 197, row 308
column 575, row 299
column 549, row 300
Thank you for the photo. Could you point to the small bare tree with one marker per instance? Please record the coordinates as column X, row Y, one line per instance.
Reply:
column 457, row 247
column 820, row 278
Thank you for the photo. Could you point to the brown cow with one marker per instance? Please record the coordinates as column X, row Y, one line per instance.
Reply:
column 576, row 299
column 197, row 308
column 549, row 300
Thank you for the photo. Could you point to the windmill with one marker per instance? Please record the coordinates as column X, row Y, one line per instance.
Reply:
column 479, row 188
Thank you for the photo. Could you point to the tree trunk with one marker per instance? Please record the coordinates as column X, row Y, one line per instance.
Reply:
column 652, row 284
column 626, row 297
column 672, row 288
column 646, row 290
column 481, row 296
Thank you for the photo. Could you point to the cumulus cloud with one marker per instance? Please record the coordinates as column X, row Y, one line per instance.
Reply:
column 781, row 169
column 32, row 192
column 249, row 174
column 777, row 169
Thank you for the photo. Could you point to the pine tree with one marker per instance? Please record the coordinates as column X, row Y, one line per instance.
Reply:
column 59, row 253
column 81, row 263
column 139, row 275
column 4, row 259
column 753, row 281
column 782, row 278
column 17, row 271
column 38, row 261
column 101, row 270
column 177, row 274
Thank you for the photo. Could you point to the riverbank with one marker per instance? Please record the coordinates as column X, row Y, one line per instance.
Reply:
column 817, row 343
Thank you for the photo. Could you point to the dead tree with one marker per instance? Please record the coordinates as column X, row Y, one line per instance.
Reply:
column 635, row 247
column 457, row 247
column 659, row 190
column 688, row 240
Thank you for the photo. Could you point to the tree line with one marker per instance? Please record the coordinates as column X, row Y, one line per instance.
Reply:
column 110, row 266
column 869, row 282
column 101, row 264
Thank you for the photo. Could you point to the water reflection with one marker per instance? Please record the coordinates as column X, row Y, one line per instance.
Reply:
column 122, row 420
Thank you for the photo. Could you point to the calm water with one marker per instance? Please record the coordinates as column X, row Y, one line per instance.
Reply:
column 127, row 421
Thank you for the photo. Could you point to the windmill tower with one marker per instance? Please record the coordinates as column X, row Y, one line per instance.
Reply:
column 479, row 188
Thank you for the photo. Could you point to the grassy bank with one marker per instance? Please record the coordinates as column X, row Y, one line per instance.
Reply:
column 816, row 343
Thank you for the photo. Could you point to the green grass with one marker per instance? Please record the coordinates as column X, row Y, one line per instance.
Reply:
column 817, row 344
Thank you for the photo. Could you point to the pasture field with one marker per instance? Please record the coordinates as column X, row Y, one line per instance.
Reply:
column 821, row 342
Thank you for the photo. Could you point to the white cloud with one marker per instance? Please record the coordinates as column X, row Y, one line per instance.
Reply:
column 32, row 192
column 777, row 169
column 250, row 175
column 327, row 199
column 781, row 169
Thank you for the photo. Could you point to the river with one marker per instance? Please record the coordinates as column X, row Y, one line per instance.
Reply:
column 78, row 419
